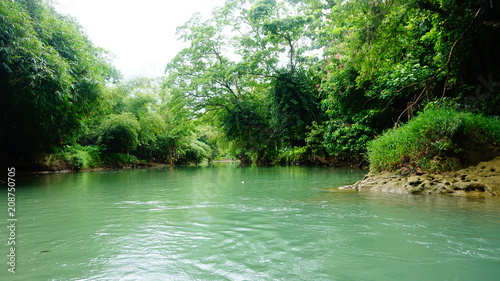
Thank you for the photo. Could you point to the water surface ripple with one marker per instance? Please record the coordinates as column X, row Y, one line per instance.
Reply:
column 224, row 222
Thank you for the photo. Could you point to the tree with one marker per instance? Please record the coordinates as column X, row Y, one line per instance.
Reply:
column 51, row 76
column 413, row 51
column 387, row 59
column 295, row 104
column 233, row 57
column 141, row 117
column 248, row 128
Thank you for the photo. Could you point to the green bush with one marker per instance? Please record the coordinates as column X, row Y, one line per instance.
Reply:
column 194, row 151
column 347, row 142
column 82, row 157
column 295, row 155
column 119, row 159
column 119, row 132
column 433, row 140
column 247, row 127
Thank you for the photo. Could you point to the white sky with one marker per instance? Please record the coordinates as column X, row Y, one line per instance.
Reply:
column 140, row 33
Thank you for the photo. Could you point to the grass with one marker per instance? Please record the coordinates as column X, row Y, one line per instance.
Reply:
column 432, row 141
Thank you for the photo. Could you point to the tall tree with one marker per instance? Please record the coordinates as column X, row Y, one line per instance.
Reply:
column 295, row 104
column 51, row 75
column 235, row 55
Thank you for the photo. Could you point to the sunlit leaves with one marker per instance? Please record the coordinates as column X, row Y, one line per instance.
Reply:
column 237, row 50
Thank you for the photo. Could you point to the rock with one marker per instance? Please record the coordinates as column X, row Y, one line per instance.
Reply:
column 480, row 180
column 347, row 187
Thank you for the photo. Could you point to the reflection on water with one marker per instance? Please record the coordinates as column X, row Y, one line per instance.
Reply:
column 223, row 222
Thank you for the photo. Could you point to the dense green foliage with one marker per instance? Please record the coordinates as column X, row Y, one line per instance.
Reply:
column 381, row 62
column 81, row 157
column 140, row 117
column 435, row 140
column 290, row 81
column 50, row 77
column 57, row 102
column 244, row 68
column 119, row 133
column 295, row 105
column 390, row 58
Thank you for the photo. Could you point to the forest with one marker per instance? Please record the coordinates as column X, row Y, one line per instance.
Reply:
column 314, row 82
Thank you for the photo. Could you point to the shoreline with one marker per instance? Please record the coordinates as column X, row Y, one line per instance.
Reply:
column 482, row 179
column 55, row 169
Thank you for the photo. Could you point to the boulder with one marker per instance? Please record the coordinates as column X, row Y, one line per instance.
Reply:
column 482, row 179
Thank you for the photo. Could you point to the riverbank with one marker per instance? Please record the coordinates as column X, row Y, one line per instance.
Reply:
column 482, row 179
column 58, row 164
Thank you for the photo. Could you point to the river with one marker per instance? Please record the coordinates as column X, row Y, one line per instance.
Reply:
column 225, row 222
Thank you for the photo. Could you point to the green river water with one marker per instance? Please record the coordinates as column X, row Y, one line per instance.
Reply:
column 224, row 222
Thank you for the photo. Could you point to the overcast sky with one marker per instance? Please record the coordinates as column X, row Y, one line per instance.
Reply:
column 140, row 33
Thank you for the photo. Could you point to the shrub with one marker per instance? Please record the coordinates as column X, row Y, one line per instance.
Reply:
column 295, row 155
column 194, row 151
column 347, row 142
column 77, row 157
column 432, row 141
column 119, row 159
column 119, row 132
